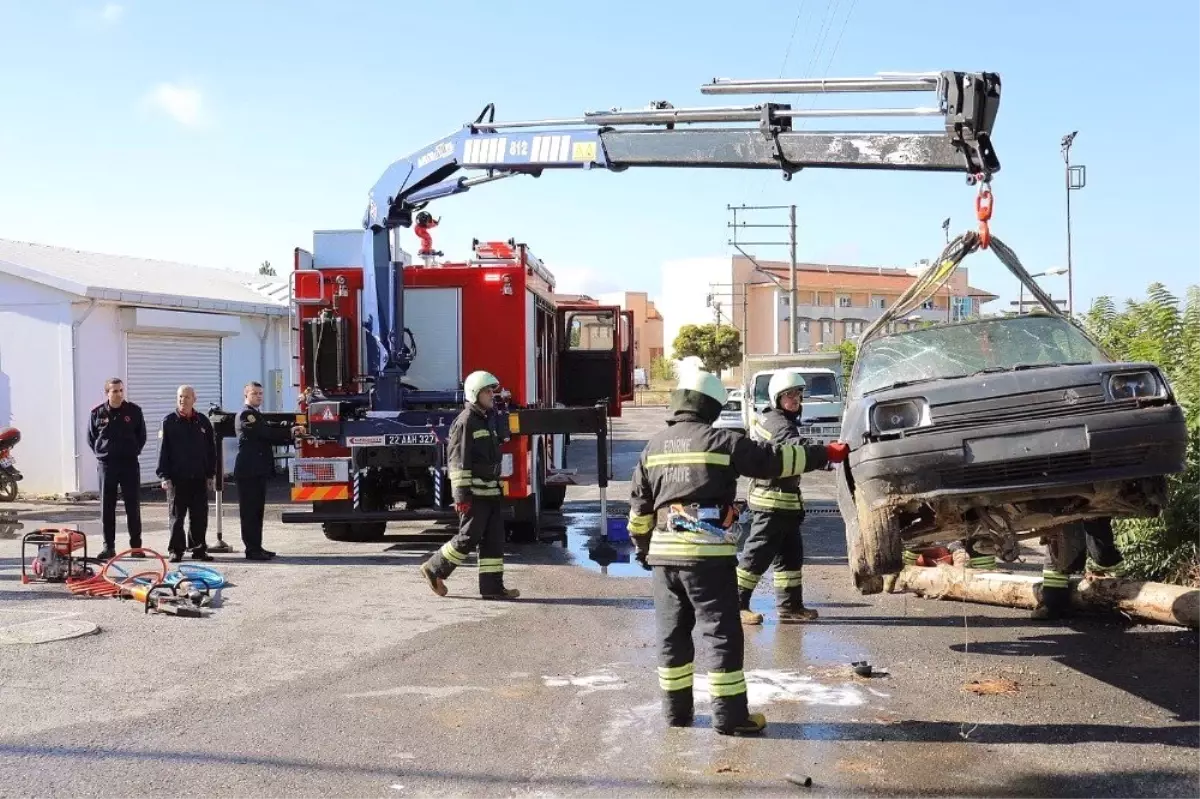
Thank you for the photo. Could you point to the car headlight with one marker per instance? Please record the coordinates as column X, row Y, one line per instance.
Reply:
column 891, row 417
column 1143, row 384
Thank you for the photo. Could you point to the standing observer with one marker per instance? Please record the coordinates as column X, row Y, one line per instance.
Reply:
column 187, row 466
column 116, row 435
column 254, row 466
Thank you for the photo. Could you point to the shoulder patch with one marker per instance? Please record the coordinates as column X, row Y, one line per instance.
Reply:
column 249, row 418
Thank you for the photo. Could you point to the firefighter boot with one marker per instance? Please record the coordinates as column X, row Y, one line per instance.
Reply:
column 796, row 614
column 749, row 617
column 436, row 584
column 754, row 724
column 505, row 593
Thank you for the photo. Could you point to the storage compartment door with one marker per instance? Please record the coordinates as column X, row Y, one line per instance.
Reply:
column 434, row 315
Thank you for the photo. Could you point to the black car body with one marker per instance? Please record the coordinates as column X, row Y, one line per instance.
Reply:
column 995, row 430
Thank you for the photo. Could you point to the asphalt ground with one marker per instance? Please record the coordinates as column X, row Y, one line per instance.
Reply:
column 334, row 671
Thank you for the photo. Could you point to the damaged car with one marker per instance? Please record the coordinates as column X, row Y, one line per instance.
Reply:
column 996, row 430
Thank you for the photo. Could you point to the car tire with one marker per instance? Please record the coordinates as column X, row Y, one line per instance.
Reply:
column 881, row 550
column 1065, row 547
column 354, row 532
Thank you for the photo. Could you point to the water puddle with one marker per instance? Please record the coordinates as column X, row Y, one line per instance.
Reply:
column 596, row 553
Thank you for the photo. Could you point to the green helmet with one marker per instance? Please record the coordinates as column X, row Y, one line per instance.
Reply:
column 781, row 382
column 705, row 383
column 478, row 381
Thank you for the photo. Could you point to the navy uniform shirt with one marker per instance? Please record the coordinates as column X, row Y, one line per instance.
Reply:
column 116, row 435
column 187, row 448
column 256, row 442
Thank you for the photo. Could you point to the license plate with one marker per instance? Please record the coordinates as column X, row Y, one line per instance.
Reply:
column 1026, row 445
column 411, row 439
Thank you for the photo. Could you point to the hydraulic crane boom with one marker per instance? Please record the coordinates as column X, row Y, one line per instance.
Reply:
column 616, row 140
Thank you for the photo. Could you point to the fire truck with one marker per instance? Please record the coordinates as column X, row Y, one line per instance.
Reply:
column 497, row 312
column 383, row 343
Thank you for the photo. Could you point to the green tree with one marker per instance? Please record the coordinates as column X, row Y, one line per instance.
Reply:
column 265, row 268
column 662, row 370
column 849, row 351
column 1157, row 330
column 717, row 346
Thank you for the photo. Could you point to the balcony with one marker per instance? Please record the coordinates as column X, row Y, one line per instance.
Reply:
column 864, row 313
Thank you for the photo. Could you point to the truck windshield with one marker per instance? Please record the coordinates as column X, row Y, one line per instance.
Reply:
column 949, row 351
column 818, row 385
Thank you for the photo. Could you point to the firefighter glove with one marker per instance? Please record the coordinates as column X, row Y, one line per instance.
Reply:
column 463, row 508
column 837, row 451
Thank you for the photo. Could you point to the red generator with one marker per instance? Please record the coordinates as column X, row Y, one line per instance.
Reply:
column 495, row 312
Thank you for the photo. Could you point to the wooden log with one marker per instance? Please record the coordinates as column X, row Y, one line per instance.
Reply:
column 1160, row 603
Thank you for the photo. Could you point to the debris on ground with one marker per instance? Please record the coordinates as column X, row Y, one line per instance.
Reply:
column 799, row 779
column 992, row 687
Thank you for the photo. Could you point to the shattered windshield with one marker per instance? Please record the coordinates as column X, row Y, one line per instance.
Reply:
column 987, row 345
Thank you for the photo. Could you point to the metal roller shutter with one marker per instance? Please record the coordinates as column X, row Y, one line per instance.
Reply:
column 156, row 366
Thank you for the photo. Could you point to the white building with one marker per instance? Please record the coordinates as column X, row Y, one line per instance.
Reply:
column 69, row 320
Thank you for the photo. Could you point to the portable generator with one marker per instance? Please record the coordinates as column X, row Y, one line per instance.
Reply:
column 55, row 560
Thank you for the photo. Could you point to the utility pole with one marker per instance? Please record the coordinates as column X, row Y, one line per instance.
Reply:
column 1076, row 178
column 946, row 228
column 791, row 243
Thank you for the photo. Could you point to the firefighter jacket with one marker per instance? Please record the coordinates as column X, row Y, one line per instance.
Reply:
column 691, row 462
column 187, row 449
column 474, row 456
column 783, row 494
column 117, row 435
column 256, row 444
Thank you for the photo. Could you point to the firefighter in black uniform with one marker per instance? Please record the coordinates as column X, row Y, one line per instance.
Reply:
column 777, row 509
column 187, row 466
column 254, row 465
column 117, row 434
column 696, row 467
column 474, row 463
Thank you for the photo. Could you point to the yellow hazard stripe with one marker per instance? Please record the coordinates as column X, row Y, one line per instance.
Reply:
column 453, row 555
column 726, row 683
column 640, row 523
column 794, row 460
column 771, row 499
column 688, row 459
column 788, row 579
column 319, row 493
column 491, row 565
column 746, row 580
column 676, row 678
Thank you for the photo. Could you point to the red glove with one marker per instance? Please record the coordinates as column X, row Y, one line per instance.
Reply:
column 463, row 508
column 837, row 451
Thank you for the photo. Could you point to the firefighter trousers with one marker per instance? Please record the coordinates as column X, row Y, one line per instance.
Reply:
column 701, row 596
column 481, row 526
column 774, row 539
column 1067, row 554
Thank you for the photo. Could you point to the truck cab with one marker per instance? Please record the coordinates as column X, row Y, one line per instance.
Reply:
column 821, row 417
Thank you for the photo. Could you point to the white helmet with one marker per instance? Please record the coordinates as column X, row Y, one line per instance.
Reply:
column 705, row 383
column 781, row 382
column 478, row 381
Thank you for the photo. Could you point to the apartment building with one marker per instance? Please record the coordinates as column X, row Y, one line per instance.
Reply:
column 833, row 303
column 647, row 324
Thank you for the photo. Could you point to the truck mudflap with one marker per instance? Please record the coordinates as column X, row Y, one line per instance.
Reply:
column 319, row 493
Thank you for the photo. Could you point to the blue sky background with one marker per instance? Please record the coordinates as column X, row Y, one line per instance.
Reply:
column 223, row 133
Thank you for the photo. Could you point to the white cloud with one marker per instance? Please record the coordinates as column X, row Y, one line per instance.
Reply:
column 112, row 12
column 184, row 105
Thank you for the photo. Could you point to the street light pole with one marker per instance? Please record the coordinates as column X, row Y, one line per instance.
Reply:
column 1076, row 177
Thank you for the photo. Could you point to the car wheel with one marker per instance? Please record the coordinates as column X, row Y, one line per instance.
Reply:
column 1066, row 547
column 881, row 550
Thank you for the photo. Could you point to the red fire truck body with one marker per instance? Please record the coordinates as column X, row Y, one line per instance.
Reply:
column 496, row 312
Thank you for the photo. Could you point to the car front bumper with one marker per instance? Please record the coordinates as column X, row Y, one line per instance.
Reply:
column 1039, row 455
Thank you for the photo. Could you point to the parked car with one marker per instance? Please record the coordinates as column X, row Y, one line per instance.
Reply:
column 996, row 430
column 731, row 413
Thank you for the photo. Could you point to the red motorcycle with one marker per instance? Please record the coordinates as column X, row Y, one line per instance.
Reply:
column 9, row 438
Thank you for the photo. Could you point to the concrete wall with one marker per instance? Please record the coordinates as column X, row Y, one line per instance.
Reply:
column 35, row 381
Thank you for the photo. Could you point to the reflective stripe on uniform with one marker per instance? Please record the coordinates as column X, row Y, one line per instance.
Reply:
column 686, row 545
column 910, row 558
column 759, row 432
column 481, row 434
column 453, row 555
column 788, row 579
column 747, row 580
column 726, row 683
column 794, row 460
column 491, row 565
column 459, row 477
column 983, row 562
column 1052, row 578
column 772, row 499
column 676, row 678
column 687, row 459
column 640, row 523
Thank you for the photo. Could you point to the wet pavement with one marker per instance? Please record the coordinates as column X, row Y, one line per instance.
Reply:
column 333, row 671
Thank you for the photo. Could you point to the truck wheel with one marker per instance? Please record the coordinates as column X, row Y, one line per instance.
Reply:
column 880, row 550
column 8, row 488
column 553, row 497
column 355, row 532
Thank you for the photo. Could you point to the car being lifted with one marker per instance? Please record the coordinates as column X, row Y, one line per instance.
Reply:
column 996, row 430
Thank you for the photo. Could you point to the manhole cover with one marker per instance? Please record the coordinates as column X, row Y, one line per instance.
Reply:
column 43, row 632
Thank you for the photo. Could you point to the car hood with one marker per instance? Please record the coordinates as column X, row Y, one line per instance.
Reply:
column 990, row 398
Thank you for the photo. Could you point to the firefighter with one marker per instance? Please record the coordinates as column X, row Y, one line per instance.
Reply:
column 254, row 465
column 1063, row 560
column 777, row 509
column 117, row 434
column 474, row 463
column 696, row 467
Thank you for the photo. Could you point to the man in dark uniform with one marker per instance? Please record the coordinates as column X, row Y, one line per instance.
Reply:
column 116, row 434
column 777, row 509
column 255, row 464
column 695, row 468
column 473, row 453
column 187, row 466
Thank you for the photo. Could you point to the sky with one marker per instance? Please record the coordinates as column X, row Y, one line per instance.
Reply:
column 223, row 133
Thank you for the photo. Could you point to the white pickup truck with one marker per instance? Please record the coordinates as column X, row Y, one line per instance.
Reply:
column 821, row 418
